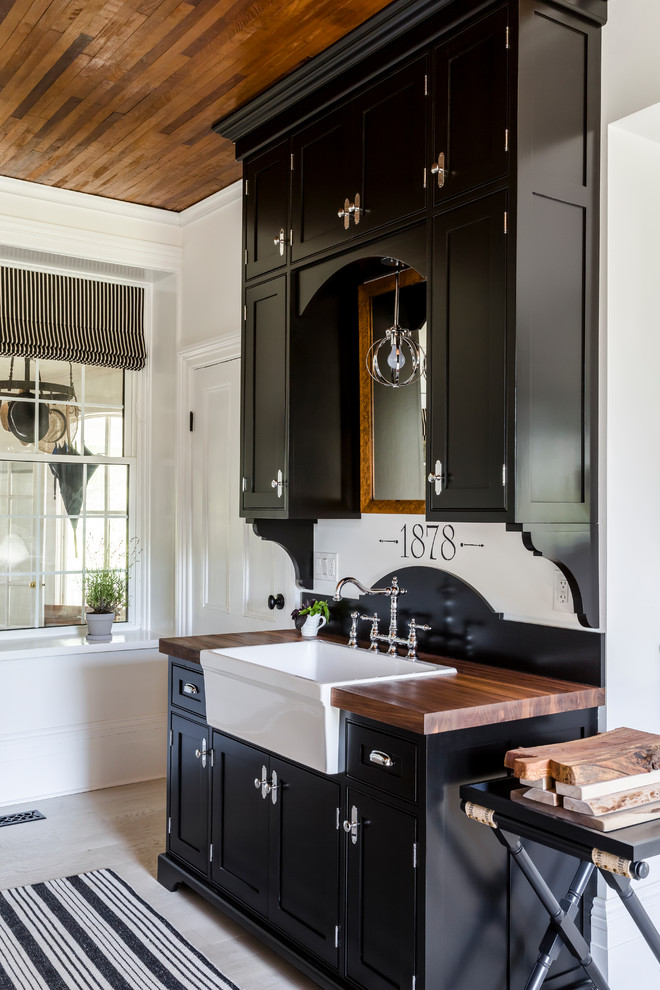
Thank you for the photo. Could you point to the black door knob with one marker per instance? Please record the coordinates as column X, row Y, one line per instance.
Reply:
column 275, row 601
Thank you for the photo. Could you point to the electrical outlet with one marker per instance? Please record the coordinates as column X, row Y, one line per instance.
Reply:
column 562, row 598
column 326, row 566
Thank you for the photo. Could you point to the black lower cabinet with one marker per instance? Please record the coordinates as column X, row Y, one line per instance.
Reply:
column 188, row 822
column 275, row 842
column 373, row 878
column 381, row 901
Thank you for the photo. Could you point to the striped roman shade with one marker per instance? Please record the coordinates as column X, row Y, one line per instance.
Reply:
column 71, row 319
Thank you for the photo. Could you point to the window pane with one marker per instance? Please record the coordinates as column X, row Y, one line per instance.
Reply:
column 104, row 432
column 58, row 377
column 63, row 603
column 18, row 601
column 104, row 386
column 107, row 489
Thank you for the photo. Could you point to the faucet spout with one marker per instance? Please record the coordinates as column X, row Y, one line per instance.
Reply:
column 358, row 584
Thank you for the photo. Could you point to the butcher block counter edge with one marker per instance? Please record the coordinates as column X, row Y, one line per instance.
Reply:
column 476, row 695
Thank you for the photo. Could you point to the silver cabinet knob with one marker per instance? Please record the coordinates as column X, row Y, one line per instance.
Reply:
column 435, row 477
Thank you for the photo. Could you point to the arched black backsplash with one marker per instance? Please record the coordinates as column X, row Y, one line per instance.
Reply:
column 465, row 627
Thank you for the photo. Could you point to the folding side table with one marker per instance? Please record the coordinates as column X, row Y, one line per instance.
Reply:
column 619, row 856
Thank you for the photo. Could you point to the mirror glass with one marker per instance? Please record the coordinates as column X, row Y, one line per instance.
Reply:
column 392, row 420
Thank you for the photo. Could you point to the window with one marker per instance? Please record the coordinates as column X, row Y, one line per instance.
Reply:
column 66, row 463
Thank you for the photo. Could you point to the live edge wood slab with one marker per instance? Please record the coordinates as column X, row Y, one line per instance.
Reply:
column 476, row 695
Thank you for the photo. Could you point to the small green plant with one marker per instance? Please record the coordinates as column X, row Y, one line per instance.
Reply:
column 106, row 587
column 313, row 607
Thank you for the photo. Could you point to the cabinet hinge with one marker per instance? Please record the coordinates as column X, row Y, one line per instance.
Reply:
column 245, row 312
column 506, row 139
column 506, row 37
column 425, row 178
column 247, row 187
column 245, row 257
column 244, row 485
column 414, row 855
column 292, row 165
column 338, row 819
column 191, row 421
column 506, row 222
column 414, row 982
column 337, row 930
column 212, row 755
column 291, row 237
column 504, row 476
column 426, row 85
column 211, row 853
column 171, row 738
column 169, row 826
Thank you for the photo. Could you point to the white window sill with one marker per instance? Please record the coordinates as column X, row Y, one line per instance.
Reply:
column 27, row 643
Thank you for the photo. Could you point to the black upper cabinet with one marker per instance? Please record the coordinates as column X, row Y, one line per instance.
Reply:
column 470, row 116
column 362, row 166
column 468, row 390
column 264, row 485
column 266, row 210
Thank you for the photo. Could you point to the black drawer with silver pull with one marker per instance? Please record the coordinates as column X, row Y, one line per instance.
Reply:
column 381, row 760
column 187, row 689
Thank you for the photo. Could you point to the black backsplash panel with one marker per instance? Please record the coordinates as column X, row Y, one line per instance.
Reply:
column 464, row 627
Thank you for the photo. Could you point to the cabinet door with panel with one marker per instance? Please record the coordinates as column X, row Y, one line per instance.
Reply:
column 265, row 398
column 468, row 392
column 304, row 858
column 326, row 179
column 267, row 210
column 240, row 818
column 392, row 126
column 275, row 835
column 381, row 895
column 471, row 118
column 188, row 826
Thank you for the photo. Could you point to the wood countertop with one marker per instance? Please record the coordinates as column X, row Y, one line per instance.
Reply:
column 477, row 694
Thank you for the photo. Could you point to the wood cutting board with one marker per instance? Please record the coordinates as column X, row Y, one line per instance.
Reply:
column 603, row 823
column 583, row 792
column 608, row 803
column 606, row 756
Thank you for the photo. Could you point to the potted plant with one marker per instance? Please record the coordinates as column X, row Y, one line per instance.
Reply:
column 106, row 590
column 311, row 616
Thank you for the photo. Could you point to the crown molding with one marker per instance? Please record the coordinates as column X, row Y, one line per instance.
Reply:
column 212, row 204
column 85, row 201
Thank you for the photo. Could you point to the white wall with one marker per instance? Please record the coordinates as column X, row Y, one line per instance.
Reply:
column 212, row 268
column 76, row 719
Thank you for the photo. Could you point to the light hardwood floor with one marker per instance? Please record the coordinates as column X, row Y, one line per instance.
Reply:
column 123, row 828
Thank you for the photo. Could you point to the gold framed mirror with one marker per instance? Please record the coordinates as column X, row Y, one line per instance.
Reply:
column 392, row 420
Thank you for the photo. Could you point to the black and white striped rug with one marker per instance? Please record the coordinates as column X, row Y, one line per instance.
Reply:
column 93, row 932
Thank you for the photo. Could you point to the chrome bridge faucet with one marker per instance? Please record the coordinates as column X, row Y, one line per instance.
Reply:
column 392, row 637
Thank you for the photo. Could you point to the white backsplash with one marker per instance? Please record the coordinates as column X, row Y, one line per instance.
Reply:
column 484, row 555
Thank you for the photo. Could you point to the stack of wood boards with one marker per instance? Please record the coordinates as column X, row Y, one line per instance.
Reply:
column 607, row 781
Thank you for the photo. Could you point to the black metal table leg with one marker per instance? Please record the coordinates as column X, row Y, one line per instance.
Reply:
column 551, row 942
column 564, row 926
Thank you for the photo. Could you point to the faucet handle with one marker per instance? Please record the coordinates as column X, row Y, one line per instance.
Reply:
column 412, row 638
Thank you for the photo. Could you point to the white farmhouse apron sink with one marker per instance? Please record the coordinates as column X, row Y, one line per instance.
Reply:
column 277, row 696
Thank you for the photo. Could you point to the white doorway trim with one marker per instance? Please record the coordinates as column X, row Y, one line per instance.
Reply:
column 191, row 359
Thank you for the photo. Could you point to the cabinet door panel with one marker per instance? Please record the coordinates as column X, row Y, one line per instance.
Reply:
column 471, row 106
column 392, row 119
column 381, row 896
column 240, row 823
column 304, row 882
column 266, row 210
column 326, row 172
column 469, row 353
column 264, row 396
column 189, row 793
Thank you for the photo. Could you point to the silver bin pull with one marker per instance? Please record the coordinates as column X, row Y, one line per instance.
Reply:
column 380, row 759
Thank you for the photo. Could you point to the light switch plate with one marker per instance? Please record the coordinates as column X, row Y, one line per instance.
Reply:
column 326, row 565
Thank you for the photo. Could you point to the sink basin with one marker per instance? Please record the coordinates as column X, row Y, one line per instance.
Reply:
column 277, row 696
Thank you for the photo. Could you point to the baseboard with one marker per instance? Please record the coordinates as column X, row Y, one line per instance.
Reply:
column 50, row 762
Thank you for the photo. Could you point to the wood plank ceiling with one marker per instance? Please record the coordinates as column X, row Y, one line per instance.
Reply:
column 117, row 97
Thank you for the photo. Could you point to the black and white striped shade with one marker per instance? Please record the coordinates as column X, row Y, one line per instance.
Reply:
column 71, row 319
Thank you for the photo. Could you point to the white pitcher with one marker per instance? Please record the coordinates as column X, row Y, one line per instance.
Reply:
column 312, row 624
